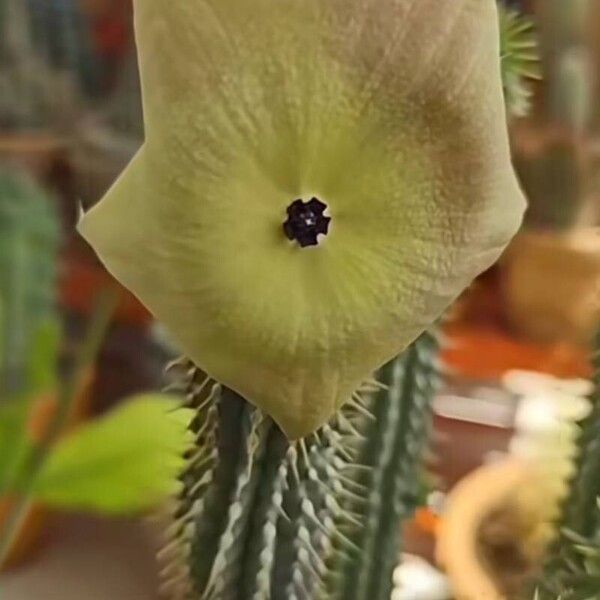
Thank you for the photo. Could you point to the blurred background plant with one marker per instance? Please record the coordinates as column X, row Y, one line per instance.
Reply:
column 555, row 157
column 70, row 119
column 556, row 153
column 572, row 571
column 37, row 86
column 126, row 462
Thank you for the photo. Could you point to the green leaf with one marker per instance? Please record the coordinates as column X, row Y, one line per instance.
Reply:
column 13, row 444
column 125, row 462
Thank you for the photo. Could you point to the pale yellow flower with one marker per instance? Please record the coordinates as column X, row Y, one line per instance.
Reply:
column 389, row 112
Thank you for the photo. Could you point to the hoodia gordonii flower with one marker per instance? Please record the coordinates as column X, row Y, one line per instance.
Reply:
column 319, row 180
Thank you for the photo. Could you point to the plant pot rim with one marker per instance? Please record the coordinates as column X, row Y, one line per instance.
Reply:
column 584, row 240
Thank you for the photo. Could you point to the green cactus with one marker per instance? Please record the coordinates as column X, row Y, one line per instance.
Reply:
column 393, row 451
column 28, row 245
column 573, row 569
column 582, row 516
column 520, row 59
column 553, row 177
column 555, row 171
column 568, row 62
column 260, row 517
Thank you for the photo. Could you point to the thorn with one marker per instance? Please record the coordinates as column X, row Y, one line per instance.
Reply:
column 375, row 383
column 304, row 452
column 181, row 361
column 357, row 405
column 169, row 549
column 292, row 459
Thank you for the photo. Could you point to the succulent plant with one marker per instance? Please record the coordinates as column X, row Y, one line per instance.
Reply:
column 573, row 568
column 319, row 181
column 555, row 166
column 520, row 59
column 262, row 517
column 29, row 235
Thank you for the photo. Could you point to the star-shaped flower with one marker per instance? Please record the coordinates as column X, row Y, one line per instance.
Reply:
column 388, row 112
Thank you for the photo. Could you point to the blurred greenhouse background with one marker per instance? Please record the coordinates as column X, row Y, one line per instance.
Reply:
column 70, row 120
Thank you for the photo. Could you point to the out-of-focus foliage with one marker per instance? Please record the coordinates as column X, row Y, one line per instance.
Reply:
column 520, row 59
column 125, row 462
column 29, row 235
column 573, row 568
column 122, row 463
column 13, row 444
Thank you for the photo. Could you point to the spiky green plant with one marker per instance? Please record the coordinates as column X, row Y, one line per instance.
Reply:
column 556, row 172
column 573, row 569
column 29, row 234
column 520, row 59
column 260, row 517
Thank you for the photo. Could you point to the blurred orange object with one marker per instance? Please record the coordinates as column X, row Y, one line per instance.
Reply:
column 427, row 520
column 487, row 353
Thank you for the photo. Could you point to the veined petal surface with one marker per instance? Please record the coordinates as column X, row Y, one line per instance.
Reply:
column 390, row 112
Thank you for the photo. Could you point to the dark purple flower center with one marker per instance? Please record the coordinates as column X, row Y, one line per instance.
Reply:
column 306, row 222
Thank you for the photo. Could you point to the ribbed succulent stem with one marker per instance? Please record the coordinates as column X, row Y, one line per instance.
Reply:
column 573, row 567
column 582, row 515
column 29, row 234
column 394, row 450
column 260, row 518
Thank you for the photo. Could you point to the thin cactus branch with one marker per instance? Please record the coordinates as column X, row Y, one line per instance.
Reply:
column 395, row 445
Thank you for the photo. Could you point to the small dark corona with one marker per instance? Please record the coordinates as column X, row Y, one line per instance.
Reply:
column 306, row 222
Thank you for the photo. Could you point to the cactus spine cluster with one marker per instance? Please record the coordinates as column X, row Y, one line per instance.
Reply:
column 259, row 517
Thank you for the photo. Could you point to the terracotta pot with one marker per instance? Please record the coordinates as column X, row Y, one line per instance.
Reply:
column 552, row 285
column 476, row 498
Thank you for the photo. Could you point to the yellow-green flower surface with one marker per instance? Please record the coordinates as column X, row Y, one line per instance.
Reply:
column 389, row 112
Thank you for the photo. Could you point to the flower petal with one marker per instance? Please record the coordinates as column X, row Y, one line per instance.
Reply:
column 390, row 112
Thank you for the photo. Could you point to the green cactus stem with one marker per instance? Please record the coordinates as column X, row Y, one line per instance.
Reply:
column 29, row 234
column 259, row 517
column 572, row 571
column 394, row 448
column 582, row 515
